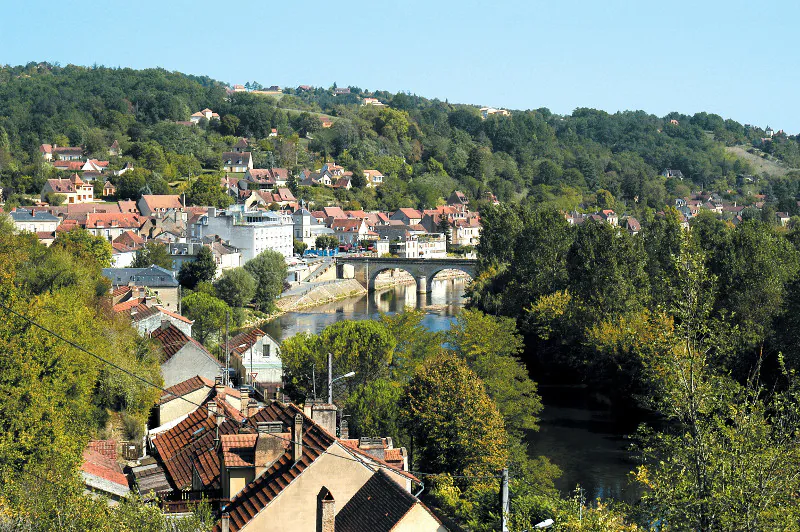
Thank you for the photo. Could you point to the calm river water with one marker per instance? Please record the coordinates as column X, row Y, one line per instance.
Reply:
column 581, row 437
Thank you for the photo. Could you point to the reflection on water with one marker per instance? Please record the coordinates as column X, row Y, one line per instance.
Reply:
column 583, row 438
column 441, row 304
column 587, row 442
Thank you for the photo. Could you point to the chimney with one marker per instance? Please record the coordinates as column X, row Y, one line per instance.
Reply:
column 219, row 390
column 327, row 511
column 344, row 430
column 212, row 410
column 373, row 447
column 297, row 438
column 324, row 415
column 225, row 522
column 165, row 323
column 244, row 405
column 269, row 444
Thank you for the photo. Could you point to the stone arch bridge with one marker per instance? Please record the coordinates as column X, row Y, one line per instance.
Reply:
column 366, row 269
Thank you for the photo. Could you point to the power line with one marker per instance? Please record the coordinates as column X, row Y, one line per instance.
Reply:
column 245, row 421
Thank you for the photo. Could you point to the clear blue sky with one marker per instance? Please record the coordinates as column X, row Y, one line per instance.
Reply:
column 740, row 59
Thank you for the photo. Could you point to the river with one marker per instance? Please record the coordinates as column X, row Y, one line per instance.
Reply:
column 579, row 435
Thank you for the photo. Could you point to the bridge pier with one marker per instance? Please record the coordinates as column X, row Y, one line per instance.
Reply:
column 422, row 284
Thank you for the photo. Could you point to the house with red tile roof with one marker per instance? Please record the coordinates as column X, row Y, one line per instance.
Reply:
column 256, row 353
column 101, row 473
column 63, row 153
column 350, row 231
column 407, row 216
column 182, row 356
column 181, row 399
column 295, row 459
column 150, row 204
column 74, row 190
column 373, row 177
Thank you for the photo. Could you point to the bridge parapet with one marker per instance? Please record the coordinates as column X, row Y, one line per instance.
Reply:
column 366, row 269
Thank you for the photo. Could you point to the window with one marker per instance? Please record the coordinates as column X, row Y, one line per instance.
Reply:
column 267, row 349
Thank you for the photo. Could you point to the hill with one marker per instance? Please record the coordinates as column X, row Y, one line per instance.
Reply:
column 427, row 148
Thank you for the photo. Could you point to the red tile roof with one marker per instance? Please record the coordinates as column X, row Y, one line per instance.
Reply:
column 173, row 340
column 248, row 339
column 107, row 448
column 269, row 485
column 99, row 465
column 191, row 443
column 182, row 388
column 163, row 201
column 238, row 450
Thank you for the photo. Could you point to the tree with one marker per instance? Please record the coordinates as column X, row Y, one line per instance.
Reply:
column 152, row 253
column 455, row 426
column 205, row 190
column 55, row 199
column 236, row 287
column 208, row 314
column 202, row 269
column 84, row 245
column 490, row 347
column 299, row 247
column 326, row 242
column 365, row 347
column 727, row 456
column 269, row 270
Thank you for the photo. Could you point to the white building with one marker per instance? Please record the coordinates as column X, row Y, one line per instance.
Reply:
column 307, row 228
column 251, row 232
column 34, row 221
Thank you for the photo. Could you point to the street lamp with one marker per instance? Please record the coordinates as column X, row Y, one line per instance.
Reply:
column 331, row 380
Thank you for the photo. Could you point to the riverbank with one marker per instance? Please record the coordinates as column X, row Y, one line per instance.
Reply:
column 319, row 295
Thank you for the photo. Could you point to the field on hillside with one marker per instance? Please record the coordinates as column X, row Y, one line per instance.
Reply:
column 760, row 164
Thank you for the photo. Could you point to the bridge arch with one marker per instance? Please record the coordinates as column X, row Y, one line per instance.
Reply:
column 435, row 271
column 366, row 269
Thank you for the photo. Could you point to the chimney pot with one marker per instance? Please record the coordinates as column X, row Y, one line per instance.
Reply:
column 344, row 430
column 225, row 522
column 212, row 410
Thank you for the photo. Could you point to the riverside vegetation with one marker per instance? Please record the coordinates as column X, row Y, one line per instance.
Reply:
column 697, row 327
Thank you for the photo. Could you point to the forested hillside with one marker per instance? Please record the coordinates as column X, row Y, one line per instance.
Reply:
column 427, row 147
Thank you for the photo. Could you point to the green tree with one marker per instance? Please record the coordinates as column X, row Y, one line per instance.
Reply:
column 456, row 428
column 205, row 190
column 490, row 346
column 202, row 269
column 84, row 245
column 152, row 253
column 269, row 270
column 727, row 456
column 299, row 247
column 365, row 347
column 208, row 314
column 236, row 287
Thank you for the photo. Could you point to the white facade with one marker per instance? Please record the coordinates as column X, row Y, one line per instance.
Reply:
column 252, row 232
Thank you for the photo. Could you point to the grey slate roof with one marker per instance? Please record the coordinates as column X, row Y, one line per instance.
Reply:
column 151, row 276
column 378, row 506
column 23, row 215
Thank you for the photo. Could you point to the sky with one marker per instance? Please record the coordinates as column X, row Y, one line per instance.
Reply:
column 738, row 59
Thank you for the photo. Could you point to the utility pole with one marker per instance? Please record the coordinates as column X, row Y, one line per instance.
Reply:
column 330, row 378
column 227, row 378
column 504, row 500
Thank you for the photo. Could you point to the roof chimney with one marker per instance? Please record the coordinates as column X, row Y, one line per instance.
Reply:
column 165, row 323
column 244, row 402
column 297, row 438
column 324, row 415
column 269, row 445
column 344, row 430
column 225, row 522
column 212, row 410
